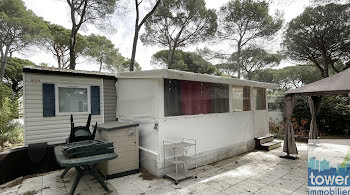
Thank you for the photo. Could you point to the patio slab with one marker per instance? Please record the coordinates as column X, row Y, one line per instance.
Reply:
column 255, row 172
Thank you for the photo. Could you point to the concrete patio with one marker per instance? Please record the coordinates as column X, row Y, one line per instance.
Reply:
column 256, row 172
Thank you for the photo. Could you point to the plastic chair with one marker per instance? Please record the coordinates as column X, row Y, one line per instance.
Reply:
column 79, row 133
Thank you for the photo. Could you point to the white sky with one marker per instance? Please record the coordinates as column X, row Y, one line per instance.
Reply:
column 56, row 11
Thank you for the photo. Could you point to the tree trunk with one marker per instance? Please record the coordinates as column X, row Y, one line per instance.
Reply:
column 72, row 43
column 134, row 45
column 238, row 60
column 59, row 61
column 101, row 65
column 249, row 75
column 171, row 57
column 3, row 63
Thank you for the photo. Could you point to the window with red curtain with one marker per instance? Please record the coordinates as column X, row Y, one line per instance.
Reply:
column 192, row 97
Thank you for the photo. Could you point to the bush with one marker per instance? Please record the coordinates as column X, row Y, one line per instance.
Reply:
column 6, row 91
column 10, row 131
column 333, row 119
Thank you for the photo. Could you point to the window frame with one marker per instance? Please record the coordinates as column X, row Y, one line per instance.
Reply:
column 243, row 98
column 255, row 96
column 227, row 86
column 58, row 113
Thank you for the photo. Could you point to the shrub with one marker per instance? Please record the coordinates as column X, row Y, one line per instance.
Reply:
column 10, row 131
column 333, row 119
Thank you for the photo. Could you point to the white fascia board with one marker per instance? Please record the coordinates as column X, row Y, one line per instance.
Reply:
column 181, row 75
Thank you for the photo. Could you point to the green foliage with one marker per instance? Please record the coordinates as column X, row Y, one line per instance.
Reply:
column 9, row 131
column 86, row 11
column 19, row 28
column 178, row 23
column 255, row 59
column 228, row 69
column 122, row 64
column 265, row 75
column 243, row 21
column 334, row 116
column 6, row 92
column 14, row 73
column 295, row 76
column 57, row 42
column 249, row 16
column 185, row 61
column 320, row 35
column 288, row 77
column 102, row 50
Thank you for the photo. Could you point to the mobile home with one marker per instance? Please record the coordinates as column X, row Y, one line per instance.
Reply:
column 51, row 95
column 223, row 114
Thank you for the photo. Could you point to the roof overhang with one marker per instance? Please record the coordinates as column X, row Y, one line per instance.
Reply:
column 181, row 75
column 337, row 84
column 57, row 71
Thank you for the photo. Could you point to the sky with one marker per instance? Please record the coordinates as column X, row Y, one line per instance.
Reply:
column 57, row 12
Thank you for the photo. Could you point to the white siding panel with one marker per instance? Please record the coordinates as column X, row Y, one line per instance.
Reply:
column 52, row 129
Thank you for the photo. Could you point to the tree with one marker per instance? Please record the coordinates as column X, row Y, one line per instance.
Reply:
column 288, row 77
column 58, row 43
column 138, row 27
column 228, row 69
column 122, row 64
column 177, row 23
column 19, row 28
column 296, row 76
column 185, row 61
column 265, row 75
column 14, row 73
column 83, row 11
column 254, row 59
column 209, row 54
column 320, row 35
column 243, row 21
column 102, row 50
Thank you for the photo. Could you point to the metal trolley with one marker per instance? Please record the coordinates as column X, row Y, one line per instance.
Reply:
column 180, row 158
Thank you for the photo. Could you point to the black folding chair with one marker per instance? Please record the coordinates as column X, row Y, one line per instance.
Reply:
column 79, row 133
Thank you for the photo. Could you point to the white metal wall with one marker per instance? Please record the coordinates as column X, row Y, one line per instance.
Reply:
column 138, row 101
column 141, row 100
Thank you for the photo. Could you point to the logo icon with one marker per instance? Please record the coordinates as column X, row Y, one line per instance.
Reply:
column 329, row 167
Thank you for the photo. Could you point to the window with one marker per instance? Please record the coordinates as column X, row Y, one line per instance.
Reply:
column 240, row 98
column 192, row 97
column 260, row 98
column 73, row 99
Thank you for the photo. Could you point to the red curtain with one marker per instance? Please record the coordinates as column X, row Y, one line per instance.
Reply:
column 205, row 98
column 195, row 97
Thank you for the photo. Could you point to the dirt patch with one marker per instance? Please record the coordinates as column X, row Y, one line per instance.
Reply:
column 147, row 176
column 65, row 181
column 17, row 181
column 32, row 192
column 12, row 183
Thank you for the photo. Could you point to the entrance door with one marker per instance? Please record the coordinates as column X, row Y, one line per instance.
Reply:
column 260, row 113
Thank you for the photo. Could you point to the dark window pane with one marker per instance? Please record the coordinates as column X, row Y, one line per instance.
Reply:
column 172, row 97
column 246, row 99
column 219, row 98
column 260, row 99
